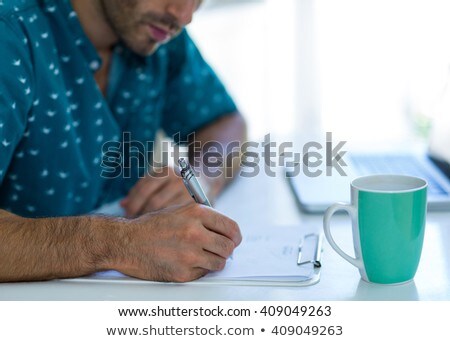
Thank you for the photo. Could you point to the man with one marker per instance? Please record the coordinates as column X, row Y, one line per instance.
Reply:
column 75, row 74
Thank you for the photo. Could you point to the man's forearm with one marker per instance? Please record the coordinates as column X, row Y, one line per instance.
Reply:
column 229, row 132
column 48, row 248
column 177, row 244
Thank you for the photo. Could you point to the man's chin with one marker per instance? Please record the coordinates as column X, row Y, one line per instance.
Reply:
column 147, row 50
column 143, row 50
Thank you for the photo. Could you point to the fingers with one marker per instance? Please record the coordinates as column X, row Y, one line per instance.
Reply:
column 203, row 260
column 202, row 247
column 179, row 243
column 213, row 262
column 173, row 193
column 154, row 193
column 220, row 224
column 219, row 245
column 194, row 274
column 191, row 265
column 139, row 194
column 206, row 247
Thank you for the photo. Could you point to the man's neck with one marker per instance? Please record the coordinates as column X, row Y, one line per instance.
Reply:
column 95, row 24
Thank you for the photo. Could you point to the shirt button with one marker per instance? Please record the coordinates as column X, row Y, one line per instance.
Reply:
column 94, row 65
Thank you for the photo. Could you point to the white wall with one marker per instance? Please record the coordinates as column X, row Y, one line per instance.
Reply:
column 251, row 46
column 370, row 68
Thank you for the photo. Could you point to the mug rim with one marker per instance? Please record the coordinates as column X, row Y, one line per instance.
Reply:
column 421, row 183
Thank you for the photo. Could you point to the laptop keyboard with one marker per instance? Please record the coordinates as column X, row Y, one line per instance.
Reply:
column 395, row 164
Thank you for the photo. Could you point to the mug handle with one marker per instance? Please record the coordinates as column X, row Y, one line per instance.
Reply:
column 351, row 210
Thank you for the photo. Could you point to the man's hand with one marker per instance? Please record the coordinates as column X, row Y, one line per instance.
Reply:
column 178, row 244
column 155, row 192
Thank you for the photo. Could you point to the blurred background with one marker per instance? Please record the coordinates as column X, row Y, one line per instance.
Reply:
column 364, row 69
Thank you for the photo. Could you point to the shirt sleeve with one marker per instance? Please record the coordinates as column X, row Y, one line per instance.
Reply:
column 195, row 94
column 15, row 93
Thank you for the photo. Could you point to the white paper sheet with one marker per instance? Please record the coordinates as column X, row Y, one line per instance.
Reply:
column 265, row 254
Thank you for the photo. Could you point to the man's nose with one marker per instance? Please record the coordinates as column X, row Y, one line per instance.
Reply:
column 182, row 10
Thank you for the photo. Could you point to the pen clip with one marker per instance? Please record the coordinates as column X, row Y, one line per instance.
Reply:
column 188, row 188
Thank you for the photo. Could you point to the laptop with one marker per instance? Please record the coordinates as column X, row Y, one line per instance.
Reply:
column 316, row 194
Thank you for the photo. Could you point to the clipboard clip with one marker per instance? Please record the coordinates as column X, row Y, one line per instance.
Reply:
column 316, row 240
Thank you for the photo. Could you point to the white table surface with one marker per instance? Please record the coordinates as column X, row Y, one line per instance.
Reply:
column 266, row 200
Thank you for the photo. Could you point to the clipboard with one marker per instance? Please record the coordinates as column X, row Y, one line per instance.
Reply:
column 306, row 262
column 274, row 257
column 303, row 253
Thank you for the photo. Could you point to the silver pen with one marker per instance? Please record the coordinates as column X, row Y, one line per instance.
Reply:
column 192, row 185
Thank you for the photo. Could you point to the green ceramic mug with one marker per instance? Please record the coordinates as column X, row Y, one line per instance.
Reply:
column 388, row 216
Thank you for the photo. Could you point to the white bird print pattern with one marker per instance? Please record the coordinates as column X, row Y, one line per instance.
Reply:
column 55, row 120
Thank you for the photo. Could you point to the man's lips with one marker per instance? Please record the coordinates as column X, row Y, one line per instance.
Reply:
column 159, row 34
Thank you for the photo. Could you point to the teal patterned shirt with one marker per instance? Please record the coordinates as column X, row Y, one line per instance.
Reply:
column 54, row 119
